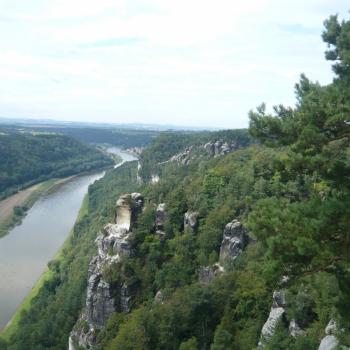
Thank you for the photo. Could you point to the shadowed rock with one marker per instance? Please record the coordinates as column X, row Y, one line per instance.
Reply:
column 191, row 220
column 160, row 216
column 235, row 239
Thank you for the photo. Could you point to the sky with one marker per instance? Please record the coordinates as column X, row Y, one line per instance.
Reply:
column 202, row 63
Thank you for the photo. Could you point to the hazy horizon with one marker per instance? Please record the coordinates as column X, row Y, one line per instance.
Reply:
column 184, row 63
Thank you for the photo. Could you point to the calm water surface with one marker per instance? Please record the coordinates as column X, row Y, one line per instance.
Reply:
column 26, row 250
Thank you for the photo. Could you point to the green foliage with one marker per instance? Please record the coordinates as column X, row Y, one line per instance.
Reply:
column 190, row 344
column 223, row 340
column 292, row 192
column 170, row 143
column 54, row 311
column 26, row 159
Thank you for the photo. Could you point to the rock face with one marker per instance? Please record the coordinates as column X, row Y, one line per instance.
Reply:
column 207, row 273
column 218, row 148
column 160, row 216
column 330, row 341
column 235, row 239
column 113, row 245
column 294, row 329
column 182, row 157
column 191, row 220
column 276, row 314
column 154, row 178
column 159, row 297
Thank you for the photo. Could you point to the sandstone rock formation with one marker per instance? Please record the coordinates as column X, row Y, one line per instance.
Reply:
column 155, row 178
column 276, row 314
column 113, row 245
column 182, row 157
column 207, row 273
column 217, row 148
column 159, row 297
column 330, row 341
column 235, row 239
column 160, row 216
column 294, row 329
column 191, row 220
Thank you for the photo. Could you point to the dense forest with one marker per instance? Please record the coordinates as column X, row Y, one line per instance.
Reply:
column 289, row 189
column 29, row 158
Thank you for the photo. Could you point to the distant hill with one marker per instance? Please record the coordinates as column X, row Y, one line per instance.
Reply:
column 28, row 158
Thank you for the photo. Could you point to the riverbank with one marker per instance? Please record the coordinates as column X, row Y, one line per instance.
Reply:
column 11, row 327
column 14, row 208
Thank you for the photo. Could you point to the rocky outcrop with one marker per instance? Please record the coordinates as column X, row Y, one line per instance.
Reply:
column 124, row 298
column 276, row 314
column 207, row 273
column 235, row 240
column 113, row 245
column 191, row 221
column 154, row 178
column 182, row 157
column 160, row 216
column 159, row 297
column 294, row 329
column 219, row 147
column 330, row 341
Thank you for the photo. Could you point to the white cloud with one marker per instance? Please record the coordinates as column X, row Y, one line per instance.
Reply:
column 197, row 62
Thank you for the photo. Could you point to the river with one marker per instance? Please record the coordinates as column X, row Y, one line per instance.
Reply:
column 28, row 247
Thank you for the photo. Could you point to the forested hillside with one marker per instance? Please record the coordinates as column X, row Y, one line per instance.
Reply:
column 27, row 158
column 184, row 147
column 233, row 250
